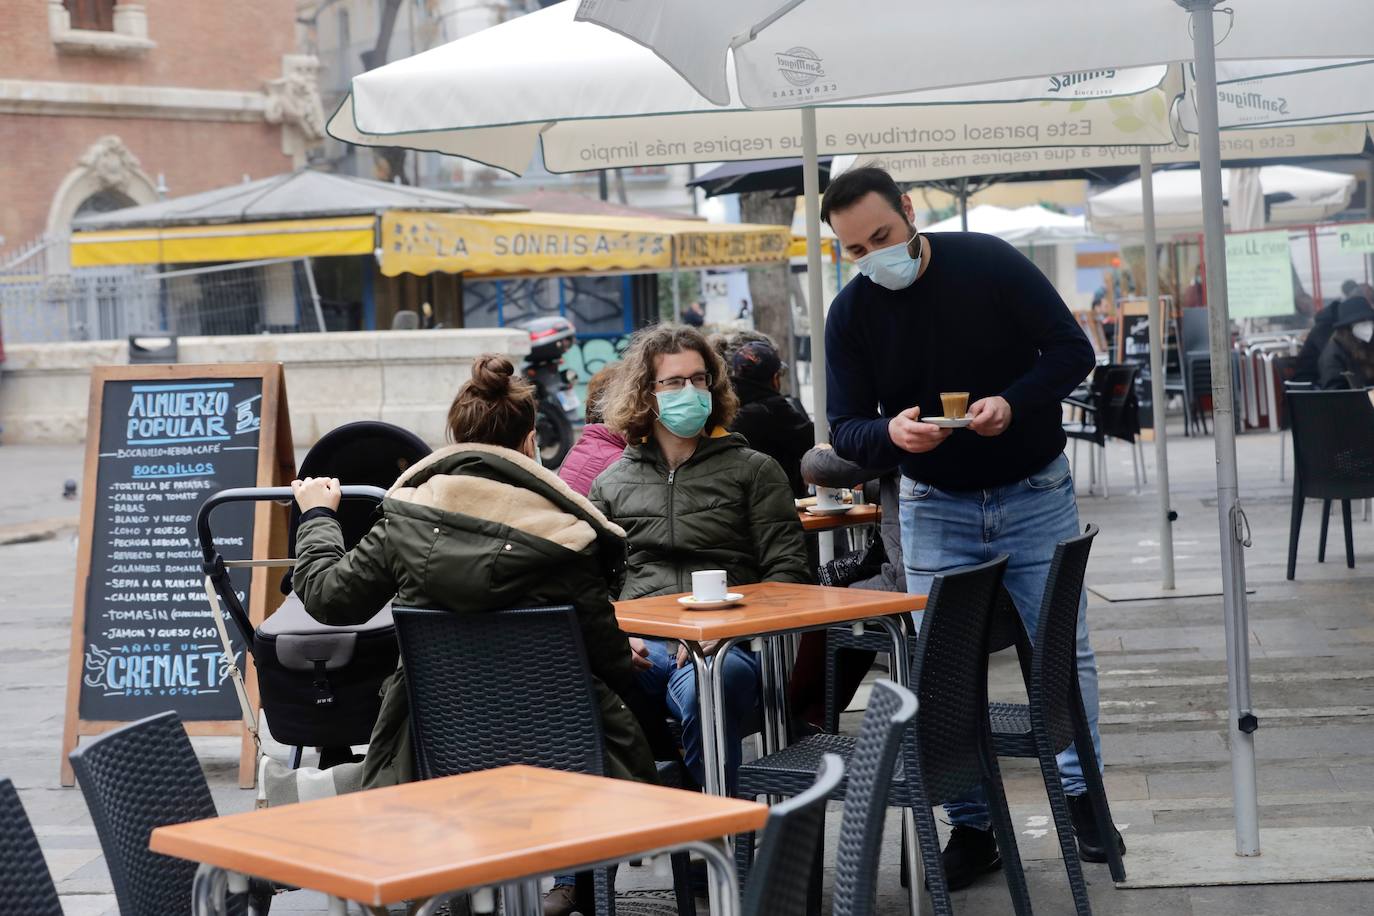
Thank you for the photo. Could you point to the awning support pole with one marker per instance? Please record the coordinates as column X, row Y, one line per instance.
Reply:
column 314, row 293
column 677, row 293
column 1231, row 518
column 1158, row 334
column 815, row 290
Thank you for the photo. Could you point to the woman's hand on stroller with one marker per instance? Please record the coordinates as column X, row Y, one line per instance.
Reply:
column 316, row 493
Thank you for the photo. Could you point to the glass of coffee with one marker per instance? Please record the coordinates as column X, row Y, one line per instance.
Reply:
column 954, row 404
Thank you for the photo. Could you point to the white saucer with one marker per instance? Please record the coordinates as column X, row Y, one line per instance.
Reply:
column 947, row 422
column 828, row 510
column 705, row 604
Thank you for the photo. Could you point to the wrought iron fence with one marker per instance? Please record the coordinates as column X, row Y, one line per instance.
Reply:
column 108, row 303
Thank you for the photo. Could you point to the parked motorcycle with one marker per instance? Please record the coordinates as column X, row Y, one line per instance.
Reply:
column 555, row 425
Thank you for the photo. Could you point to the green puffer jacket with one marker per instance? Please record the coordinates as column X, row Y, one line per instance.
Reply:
column 476, row 528
column 727, row 507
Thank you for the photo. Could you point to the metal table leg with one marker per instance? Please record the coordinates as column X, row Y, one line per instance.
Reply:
column 897, row 629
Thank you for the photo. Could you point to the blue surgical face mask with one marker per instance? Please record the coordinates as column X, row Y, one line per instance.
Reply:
column 892, row 267
column 684, row 413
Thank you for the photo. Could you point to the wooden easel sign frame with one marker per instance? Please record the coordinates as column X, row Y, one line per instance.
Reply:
column 159, row 440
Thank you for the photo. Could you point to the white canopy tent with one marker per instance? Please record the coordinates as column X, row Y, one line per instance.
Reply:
column 1032, row 225
column 802, row 52
column 1303, row 195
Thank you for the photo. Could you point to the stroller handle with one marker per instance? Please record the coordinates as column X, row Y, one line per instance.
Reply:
column 260, row 494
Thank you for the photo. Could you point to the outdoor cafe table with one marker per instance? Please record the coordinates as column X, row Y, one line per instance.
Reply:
column 863, row 514
column 768, row 610
column 505, row 827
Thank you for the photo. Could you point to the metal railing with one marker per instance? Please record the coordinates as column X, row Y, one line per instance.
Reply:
column 110, row 303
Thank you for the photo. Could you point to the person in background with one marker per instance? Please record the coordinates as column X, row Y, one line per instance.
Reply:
column 773, row 423
column 727, row 343
column 961, row 311
column 694, row 315
column 877, row 567
column 1317, row 337
column 1347, row 360
column 692, row 496
column 599, row 446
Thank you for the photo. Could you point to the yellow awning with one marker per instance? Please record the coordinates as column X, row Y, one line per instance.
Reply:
column 829, row 247
column 346, row 235
column 544, row 243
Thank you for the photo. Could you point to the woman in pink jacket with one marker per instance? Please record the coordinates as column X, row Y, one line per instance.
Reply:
column 599, row 447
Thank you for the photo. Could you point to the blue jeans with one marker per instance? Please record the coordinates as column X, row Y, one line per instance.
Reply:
column 943, row 530
column 676, row 689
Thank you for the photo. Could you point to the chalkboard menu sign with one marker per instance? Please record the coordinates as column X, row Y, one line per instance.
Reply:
column 1133, row 345
column 161, row 439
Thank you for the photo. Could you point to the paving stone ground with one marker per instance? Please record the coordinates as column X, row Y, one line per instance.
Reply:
column 1162, row 674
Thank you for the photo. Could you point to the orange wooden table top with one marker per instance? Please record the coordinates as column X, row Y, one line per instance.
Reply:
column 425, row 838
column 768, row 607
column 865, row 514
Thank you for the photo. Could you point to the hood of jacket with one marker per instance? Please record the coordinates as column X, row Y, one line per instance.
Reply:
column 504, row 487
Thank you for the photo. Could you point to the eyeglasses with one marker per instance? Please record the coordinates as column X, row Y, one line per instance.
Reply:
column 678, row 382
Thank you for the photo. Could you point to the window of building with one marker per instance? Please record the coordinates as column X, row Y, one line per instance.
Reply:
column 114, row 27
column 93, row 15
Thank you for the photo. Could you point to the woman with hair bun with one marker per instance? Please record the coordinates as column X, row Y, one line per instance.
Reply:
column 445, row 523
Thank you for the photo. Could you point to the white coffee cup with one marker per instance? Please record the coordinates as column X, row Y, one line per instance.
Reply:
column 829, row 498
column 708, row 585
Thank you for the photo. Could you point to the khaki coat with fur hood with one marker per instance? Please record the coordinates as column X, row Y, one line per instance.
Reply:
column 476, row 528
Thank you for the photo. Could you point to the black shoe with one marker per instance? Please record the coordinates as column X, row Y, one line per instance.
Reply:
column 1090, row 845
column 969, row 853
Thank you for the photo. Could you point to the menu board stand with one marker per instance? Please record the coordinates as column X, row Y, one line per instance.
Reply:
column 159, row 439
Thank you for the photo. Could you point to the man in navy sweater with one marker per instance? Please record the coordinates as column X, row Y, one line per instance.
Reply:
column 953, row 312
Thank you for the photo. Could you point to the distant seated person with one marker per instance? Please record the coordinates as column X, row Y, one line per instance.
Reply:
column 1347, row 360
column 480, row 501
column 694, row 315
column 599, row 446
column 774, row 423
column 1317, row 338
column 692, row 496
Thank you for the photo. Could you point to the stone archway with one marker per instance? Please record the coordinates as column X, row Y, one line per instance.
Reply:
column 108, row 175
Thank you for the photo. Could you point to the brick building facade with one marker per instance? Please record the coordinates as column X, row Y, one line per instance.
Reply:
column 106, row 103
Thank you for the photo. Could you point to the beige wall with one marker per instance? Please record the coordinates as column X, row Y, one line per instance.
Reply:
column 404, row 377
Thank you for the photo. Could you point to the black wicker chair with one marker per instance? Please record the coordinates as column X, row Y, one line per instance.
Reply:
column 1333, row 458
column 136, row 778
column 780, row 879
column 949, row 754
column 891, row 710
column 1112, row 412
column 25, row 883
column 871, row 759
column 1054, row 719
column 472, row 709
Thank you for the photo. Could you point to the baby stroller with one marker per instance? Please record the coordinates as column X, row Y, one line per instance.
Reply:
column 319, row 685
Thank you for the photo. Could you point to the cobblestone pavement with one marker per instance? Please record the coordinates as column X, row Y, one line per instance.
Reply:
column 1163, row 693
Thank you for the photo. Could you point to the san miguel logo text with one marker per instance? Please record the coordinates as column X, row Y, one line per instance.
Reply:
column 802, row 68
column 1064, row 82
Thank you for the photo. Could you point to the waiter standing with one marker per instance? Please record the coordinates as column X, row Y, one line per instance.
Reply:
column 961, row 312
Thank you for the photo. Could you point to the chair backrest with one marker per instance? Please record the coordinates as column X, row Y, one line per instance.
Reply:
column 1285, row 371
column 1194, row 330
column 25, row 882
column 891, row 710
column 780, row 880
column 135, row 778
column 498, row 688
column 1118, row 411
column 1054, row 693
column 1007, row 631
column 950, row 676
column 1333, row 443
